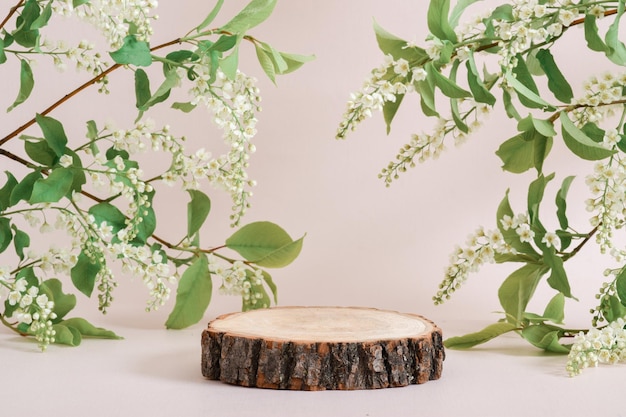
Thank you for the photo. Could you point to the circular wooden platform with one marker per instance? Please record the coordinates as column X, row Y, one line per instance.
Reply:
column 318, row 348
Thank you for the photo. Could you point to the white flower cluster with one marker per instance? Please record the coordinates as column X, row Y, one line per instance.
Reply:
column 82, row 56
column 481, row 248
column 238, row 280
column 423, row 146
column 34, row 309
column 606, row 345
column 116, row 19
column 377, row 90
column 150, row 266
column 602, row 96
column 608, row 187
column 145, row 135
column 519, row 35
column 234, row 104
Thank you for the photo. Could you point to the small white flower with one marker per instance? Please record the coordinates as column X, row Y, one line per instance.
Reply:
column 65, row 161
column 550, row 239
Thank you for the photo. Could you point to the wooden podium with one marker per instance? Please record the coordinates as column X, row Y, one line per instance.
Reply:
column 320, row 348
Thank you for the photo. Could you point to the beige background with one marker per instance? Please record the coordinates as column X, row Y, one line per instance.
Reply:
column 366, row 245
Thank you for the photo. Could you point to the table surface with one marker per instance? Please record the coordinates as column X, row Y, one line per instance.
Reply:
column 156, row 372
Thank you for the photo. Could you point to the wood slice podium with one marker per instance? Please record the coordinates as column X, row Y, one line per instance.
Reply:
column 322, row 348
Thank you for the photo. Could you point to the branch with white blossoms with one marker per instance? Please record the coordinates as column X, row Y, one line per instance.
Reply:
column 94, row 189
column 500, row 55
column 606, row 345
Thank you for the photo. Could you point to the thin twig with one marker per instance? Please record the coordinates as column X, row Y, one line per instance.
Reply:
column 73, row 93
column 12, row 11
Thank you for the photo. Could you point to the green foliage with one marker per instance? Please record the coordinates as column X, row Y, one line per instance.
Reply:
column 94, row 188
column 472, row 339
column 536, row 92
column 133, row 52
column 193, row 295
column 197, row 211
column 265, row 244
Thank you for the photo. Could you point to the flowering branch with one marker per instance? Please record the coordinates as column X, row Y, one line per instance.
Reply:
column 521, row 35
column 120, row 225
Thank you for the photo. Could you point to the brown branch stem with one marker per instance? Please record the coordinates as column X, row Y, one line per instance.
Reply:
column 68, row 96
column 581, row 244
column 576, row 22
column 12, row 11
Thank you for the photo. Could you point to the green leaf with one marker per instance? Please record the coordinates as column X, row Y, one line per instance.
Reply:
column 255, row 13
column 133, row 52
column 517, row 290
column 84, row 274
column 27, row 82
column 294, row 61
column 438, row 23
column 25, row 35
column 510, row 236
column 448, row 87
column 24, row 189
column 527, row 96
column 533, row 65
column 507, row 100
column 224, row 43
column 53, row 132
column 63, row 303
column 197, row 211
column 163, row 92
column 271, row 285
column 594, row 41
column 43, row 18
column 146, row 228
column 616, row 50
column 470, row 340
column 66, row 336
column 266, row 62
column 53, row 188
column 77, row 3
column 545, row 337
column 254, row 302
column 581, row 144
column 555, row 310
column 230, row 63
column 184, row 107
column 265, row 244
column 536, row 191
column 458, row 10
column 426, row 90
column 88, row 330
column 558, row 277
column 613, row 308
column 92, row 130
column 6, row 190
column 40, row 152
column 390, row 108
column 110, row 214
column 479, row 91
column 518, row 152
column 142, row 88
column 620, row 286
column 212, row 15
column 21, row 240
column 3, row 55
column 5, row 233
column 556, row 81
column 193, row 295
column 392, row 45
column 523, row 75
column 561, row 202
column 545, row 127
column 456, row 116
